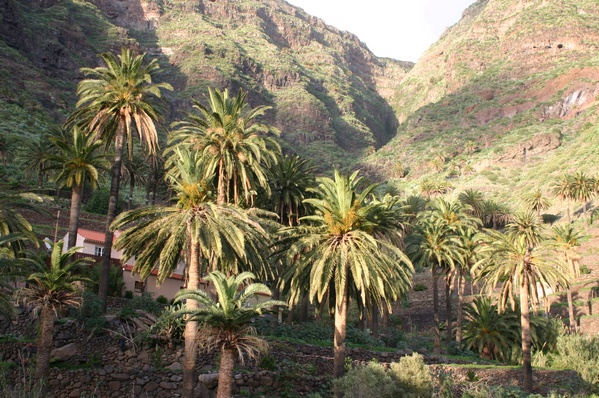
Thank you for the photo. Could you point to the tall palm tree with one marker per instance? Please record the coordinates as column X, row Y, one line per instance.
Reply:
column 35, row 157
column 349, row 247
column 133, row 170
column 536, row 201
column 432, row 244
column 567, row 238
column 234, row 147
column 562, row 188
column 582, row 189
column 225, row 325
column 520, row 268
column 116, row 101
column 455, row 216
column 291, row 179
column 206, row 235
column 49, row 290
column 78, row 161
column 470, row 242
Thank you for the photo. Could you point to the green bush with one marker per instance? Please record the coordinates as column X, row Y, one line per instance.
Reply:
column 128, row 294
column 579, row 353
column 412, row 377
column 98, row 203
column 169, row 325
column 162, row 300
column 420, row 287
column 369, row 380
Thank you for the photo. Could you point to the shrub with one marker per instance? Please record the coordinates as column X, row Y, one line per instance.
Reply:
column 369, row 380
column 169, row 325
column 412, row 377
column 420, row 287
column 579, row 353
column 128, row 294
column 162, row 300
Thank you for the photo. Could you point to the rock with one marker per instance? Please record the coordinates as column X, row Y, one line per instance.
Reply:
column 114, row 385
column 75, row 393
column 85, row 379
column 65, row 352
column 141, row 381
column 168, row 385
column 151, row 386
column 175, row 366
column 121, row 377
column 210, row 380
column 176, row 378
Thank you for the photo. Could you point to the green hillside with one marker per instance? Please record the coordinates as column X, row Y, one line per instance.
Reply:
column 505, row 101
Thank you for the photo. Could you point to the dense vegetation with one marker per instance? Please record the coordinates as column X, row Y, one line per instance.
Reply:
column 221, row 195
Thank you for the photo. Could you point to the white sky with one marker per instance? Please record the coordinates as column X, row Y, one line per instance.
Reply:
column 400, row 29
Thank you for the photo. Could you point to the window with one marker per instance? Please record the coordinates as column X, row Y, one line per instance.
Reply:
column 139, row 287
column 99, row 251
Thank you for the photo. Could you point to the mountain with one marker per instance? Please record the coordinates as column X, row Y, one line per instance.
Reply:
column 326, row 88
column 504, row 101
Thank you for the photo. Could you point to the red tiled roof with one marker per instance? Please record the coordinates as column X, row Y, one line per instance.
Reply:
column 129, row 268
column 95, row 236
column 91, row 236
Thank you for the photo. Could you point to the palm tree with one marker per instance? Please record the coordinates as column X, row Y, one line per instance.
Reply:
column 562, row 188
column 349, row 247
column 582, row 189
column 49, row 290
column 225, row 325
column 455, row 217
column 475, row 199
column 470, row 242
column 536, row 201
column 12, row 222
column 132, row 171
column 567, row 238
column 6, row 150
column 521, row 268
column 207, row 235
column 489, row 332
column 234, row 147
column 116, row 101
column 291, row 178
column 78, row 160
column 432, row 244
column 35, row 157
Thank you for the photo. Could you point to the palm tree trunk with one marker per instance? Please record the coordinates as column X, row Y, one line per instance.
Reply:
column 112, row 203
column 461, row 289
column 44, row 349
column 220, row 198
column 77, row 190
column 304, row 310
column 340, row 332
column 191, row 327
column 374, row 320
column 131, row 188
column 385, row 315
column 448, row 315
column 571, row 311
column 525, row 323
column 568, row 211
column 437, row 347
column 225, row 373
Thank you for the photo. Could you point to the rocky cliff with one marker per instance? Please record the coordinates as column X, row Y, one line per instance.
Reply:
column 326, row 88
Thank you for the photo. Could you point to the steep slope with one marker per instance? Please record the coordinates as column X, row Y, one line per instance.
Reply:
column 322, row 83
column 505, row 100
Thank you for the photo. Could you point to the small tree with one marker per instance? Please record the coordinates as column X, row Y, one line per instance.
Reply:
column 50, row 290
column 225, row 324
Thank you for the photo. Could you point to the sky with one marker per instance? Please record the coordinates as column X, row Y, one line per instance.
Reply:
column 400, row 29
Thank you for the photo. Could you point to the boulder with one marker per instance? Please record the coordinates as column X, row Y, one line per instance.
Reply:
column 65, row 352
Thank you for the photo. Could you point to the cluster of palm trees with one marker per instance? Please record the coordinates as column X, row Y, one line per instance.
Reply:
column 238, row 206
